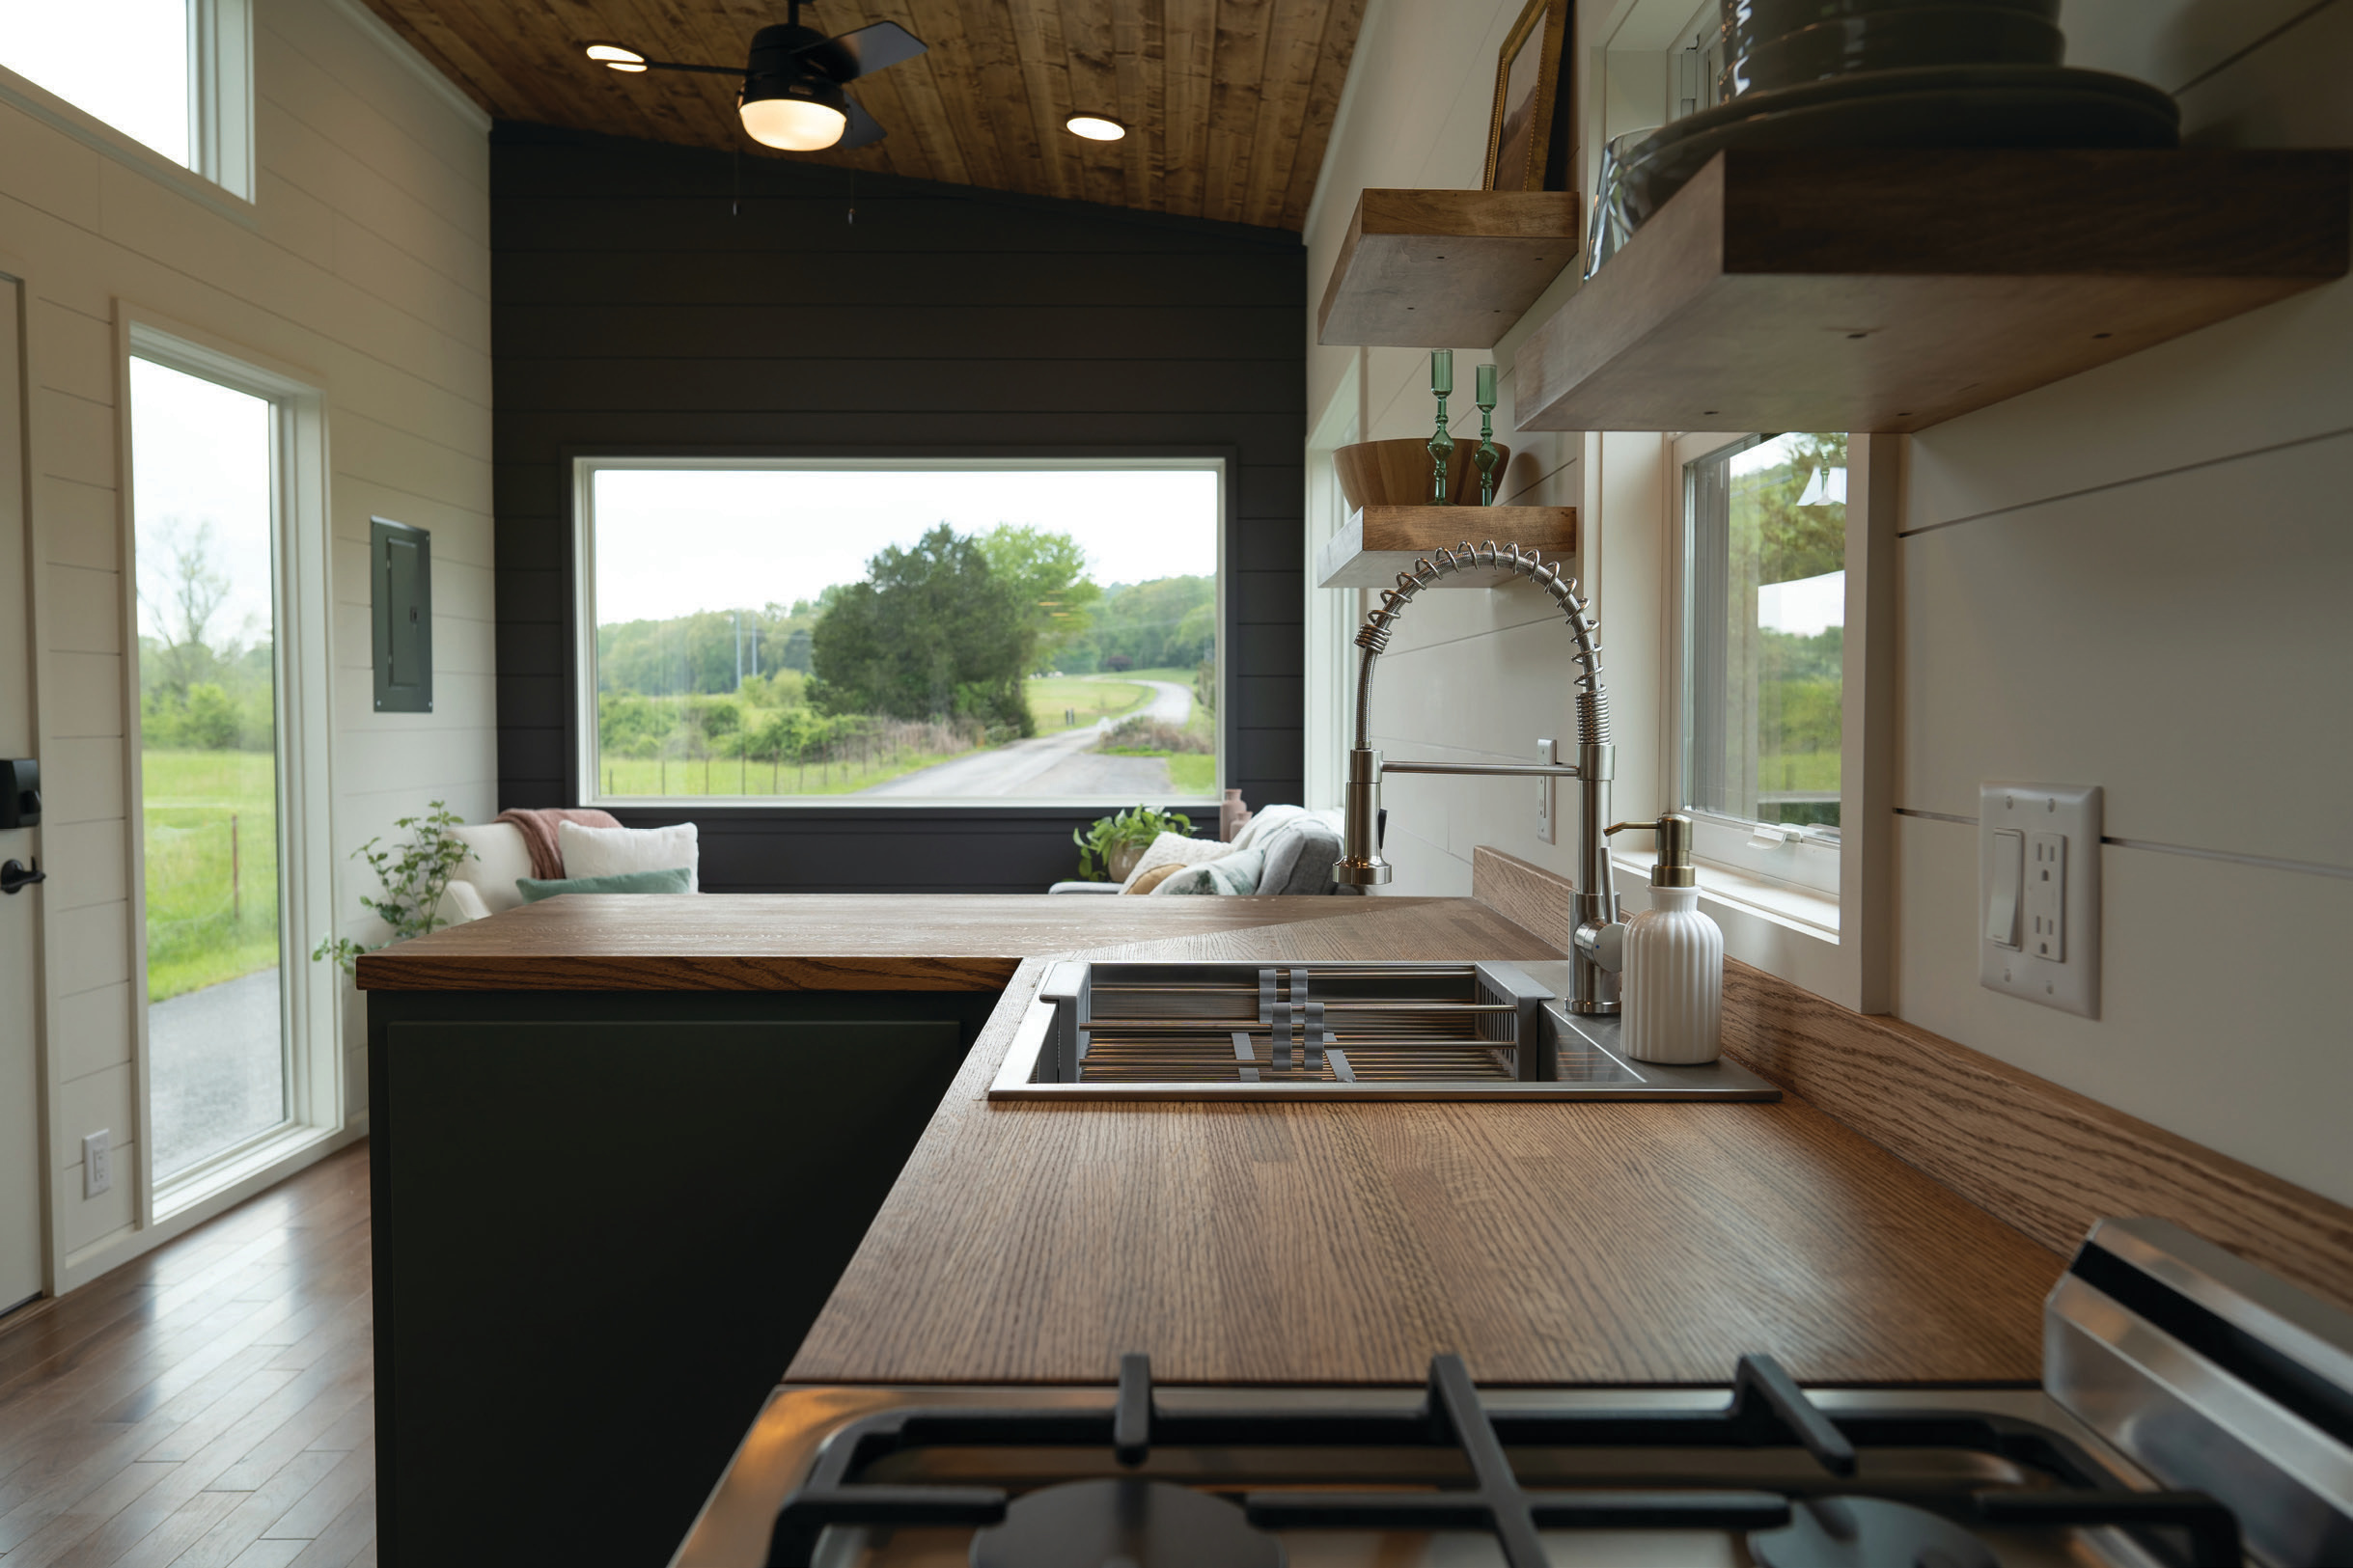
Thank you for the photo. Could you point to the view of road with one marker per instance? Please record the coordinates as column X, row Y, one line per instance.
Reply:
column 1063, row 764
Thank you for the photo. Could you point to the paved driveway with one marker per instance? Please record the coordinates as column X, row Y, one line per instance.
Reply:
column 1063, row 764
column 216, row 1069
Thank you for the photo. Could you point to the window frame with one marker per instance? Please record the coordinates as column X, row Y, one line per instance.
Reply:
column 311, row 994
column 1329, row 617
column 220, row 170
column 1837, row 945
column 1801, row 858
column 581, row 761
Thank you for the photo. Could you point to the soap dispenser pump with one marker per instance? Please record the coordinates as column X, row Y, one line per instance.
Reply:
column 1673, row 995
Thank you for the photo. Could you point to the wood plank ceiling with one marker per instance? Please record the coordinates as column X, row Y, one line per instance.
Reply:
column 1229, row 102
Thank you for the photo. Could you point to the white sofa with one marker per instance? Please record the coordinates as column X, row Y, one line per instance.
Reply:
column 1294, row 849
column 485, row 883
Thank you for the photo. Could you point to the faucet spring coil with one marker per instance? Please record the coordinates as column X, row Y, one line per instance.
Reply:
column 1592, row 703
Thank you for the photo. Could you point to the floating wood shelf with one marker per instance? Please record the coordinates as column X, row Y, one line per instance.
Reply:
column 1378, row 543
column 1445, row 268
column 1887, row 290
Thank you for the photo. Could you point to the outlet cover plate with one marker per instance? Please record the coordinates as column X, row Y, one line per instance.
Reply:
column 2070, row 981
column 99, row 1163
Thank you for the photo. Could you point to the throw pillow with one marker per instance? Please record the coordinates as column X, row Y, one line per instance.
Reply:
column 1153, row 878
column 1237, row 872
column 1174, row 850
column 675, row 879
column 1262, row 824
column 611, row 851
column 1299, row 857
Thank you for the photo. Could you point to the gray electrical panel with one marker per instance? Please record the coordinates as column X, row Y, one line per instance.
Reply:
column 401, row 575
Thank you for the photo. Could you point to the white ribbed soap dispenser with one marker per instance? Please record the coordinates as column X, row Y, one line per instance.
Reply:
column 1674, row 996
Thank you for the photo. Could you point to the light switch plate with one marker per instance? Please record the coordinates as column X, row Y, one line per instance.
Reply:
column 97, row 1163
column 2038, row 877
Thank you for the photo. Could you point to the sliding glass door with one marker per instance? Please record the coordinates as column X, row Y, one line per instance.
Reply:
column 204, row 478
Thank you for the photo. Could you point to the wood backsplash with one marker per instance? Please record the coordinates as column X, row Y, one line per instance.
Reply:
column 2037, row 1156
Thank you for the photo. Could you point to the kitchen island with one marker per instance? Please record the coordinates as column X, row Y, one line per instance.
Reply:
column 1554, row 1243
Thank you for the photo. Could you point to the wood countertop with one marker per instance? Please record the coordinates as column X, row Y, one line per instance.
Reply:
column 1570, row 1242
column 1563, row 1242
column 755, row 942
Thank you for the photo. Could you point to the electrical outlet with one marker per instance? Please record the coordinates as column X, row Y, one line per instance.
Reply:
column 1547, row 795
column 2038, row 894
column 97, row 1163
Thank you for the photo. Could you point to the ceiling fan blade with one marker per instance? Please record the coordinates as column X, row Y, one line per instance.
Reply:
column 863, row 127
column 876, row 45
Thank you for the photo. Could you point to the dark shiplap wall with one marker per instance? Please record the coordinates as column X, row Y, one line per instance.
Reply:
column 633, row 312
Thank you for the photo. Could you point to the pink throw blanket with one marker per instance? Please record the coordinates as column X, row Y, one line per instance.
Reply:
column 539, row 830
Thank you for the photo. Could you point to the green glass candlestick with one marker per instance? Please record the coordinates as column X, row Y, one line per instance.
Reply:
column 1441, row 445
column 1486, row 453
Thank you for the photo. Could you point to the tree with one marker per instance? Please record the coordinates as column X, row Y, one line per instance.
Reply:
column 182, row 596
column 1794, row 541
column 931, row 633
column 1169, row 620
column 1048, row 572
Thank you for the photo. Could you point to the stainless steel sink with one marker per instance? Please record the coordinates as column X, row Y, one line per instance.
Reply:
column 1398, row 1030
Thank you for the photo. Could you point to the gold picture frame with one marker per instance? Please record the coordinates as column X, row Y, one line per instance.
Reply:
column 1531, row 130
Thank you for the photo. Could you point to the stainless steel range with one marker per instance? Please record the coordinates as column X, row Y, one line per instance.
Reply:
column 2196, row 1412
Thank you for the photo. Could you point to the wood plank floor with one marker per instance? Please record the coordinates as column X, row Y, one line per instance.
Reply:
column 207, row 1405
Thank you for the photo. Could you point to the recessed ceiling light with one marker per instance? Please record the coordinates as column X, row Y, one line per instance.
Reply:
column 617, row 57
column 1095, row 128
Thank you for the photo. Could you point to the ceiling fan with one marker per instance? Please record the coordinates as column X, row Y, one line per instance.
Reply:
column 793, row 97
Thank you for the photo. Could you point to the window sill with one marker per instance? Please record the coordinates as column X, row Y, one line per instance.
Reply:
column 72, row 119
column 1802, row 911
column 184, row 1189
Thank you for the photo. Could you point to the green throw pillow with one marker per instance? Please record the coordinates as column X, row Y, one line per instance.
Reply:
column 674, row 880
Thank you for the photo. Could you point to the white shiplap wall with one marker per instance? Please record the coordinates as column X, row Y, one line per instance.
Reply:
column 1469, row 676
column 2135, row 578
column 362, row 264
column 2138, row 578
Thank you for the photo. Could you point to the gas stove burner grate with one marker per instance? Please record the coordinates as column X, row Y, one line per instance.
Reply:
column 1767, row 1410
column 1150, row 1524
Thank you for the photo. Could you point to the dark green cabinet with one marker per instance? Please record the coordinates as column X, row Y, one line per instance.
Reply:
column 603, row 1223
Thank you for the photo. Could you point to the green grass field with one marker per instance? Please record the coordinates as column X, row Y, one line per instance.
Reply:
column 1090, row 697
column 738, row 776
column 1800, row 770
column 1193, row 775
column 201, row 930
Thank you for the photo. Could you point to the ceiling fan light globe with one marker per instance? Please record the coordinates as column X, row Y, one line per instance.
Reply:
column 793, row 125
column 617, row 57
column 1095, row 127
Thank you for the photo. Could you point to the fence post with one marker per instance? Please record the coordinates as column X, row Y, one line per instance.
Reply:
column 236, row 875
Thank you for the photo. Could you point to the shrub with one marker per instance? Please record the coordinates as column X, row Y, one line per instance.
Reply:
column 1144, row 733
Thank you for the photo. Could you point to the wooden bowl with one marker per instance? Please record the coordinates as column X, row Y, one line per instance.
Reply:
column 1399, row 473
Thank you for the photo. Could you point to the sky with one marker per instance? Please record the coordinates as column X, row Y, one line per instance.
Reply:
column 670, row 541
column 123, row 60
column 1807, row 607
column 200, row 453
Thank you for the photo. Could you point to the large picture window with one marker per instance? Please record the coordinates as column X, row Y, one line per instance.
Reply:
column 939, row 631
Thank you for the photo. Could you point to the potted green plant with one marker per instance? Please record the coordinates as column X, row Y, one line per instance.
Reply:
column 412, row 882
column 1109, row 850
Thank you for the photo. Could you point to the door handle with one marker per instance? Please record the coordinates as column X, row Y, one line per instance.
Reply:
column 14, row 877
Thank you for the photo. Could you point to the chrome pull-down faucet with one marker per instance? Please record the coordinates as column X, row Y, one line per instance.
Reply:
column 1597, row 930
